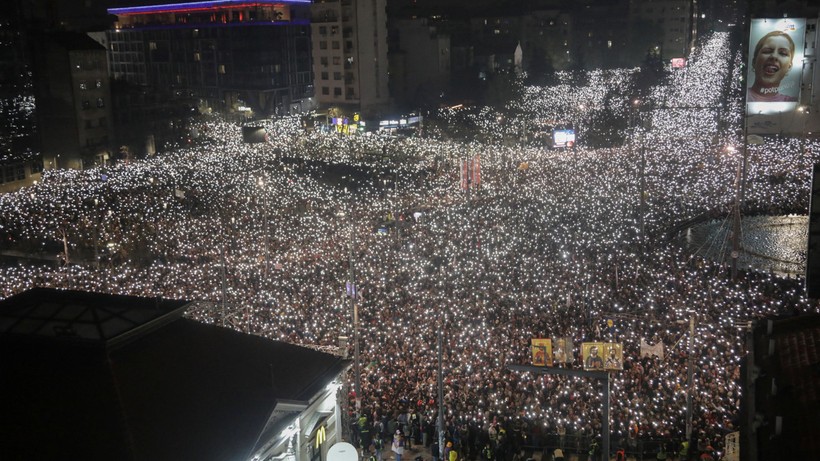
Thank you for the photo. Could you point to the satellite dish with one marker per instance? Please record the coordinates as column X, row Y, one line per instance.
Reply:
column 342, row 451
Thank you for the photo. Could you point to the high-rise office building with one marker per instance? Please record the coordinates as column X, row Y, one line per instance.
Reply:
column 20, row 162
column 230, row 55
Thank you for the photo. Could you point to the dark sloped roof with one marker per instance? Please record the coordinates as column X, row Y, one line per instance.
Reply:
column 185, row 390
column 95, row 319
column 58, row 402
column 75, row 41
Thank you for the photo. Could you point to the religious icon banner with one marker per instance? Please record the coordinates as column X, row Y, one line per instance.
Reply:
column 541, row 352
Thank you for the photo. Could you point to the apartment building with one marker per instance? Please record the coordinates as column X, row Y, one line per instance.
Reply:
column 350, row 56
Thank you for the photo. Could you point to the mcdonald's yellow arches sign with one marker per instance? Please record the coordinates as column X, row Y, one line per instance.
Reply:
column 321, row 435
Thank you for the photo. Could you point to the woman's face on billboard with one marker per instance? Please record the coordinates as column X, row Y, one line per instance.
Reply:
column 773, row 61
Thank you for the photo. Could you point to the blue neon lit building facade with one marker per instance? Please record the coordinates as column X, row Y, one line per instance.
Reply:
column 228, row 55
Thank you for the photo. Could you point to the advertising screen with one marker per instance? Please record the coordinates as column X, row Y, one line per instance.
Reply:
column 563, row 138
column 678, row 63
column 775, row 65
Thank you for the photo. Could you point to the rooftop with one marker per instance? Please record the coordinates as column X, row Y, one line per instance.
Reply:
column 80, row 317
column 195, row 7
column 177, row 389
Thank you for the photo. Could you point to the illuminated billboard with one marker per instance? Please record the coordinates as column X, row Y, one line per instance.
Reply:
column 563, row 138
column 775, row 65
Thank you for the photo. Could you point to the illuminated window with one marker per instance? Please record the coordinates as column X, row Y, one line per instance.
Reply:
column 83, row 86
column 222, row 68
column 609, row 43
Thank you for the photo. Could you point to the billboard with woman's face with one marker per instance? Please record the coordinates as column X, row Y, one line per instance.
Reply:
column 775, row 65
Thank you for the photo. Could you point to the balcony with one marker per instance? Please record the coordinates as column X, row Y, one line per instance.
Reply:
column 326, row 16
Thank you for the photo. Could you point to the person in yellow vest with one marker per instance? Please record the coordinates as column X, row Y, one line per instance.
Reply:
column 453, row 456
column 661, row 456
column 683, row 453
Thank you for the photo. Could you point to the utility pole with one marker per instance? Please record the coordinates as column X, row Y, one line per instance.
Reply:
column 736, row 223
column 352, row 293
column 642, row 209
column 267, row 240
column 261, row 203
column 224, row 281
column 440, row 424
column 740, row 191
column 97, row 223
column 636, row 125
column 690, row 377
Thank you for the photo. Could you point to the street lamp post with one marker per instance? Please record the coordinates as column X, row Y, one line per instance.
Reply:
column 740, row 191
column 96, row 234
column 642, row 166
column 739, row 180
column 352, row 294
column 261, row 183
column 804, row 111
column 441, row 430
column 690, row 377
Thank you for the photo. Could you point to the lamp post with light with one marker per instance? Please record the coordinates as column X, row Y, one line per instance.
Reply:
column 740, row 192
column 351, row 293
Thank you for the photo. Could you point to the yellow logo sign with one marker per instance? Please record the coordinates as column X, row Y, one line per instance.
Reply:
column 321, row 435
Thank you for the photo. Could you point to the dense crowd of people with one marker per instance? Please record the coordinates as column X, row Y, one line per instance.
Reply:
column 552, row 243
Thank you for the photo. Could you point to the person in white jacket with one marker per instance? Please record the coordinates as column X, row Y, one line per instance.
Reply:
column 398, row 445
